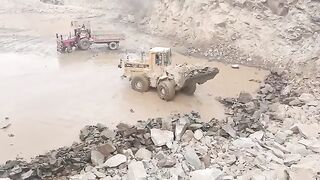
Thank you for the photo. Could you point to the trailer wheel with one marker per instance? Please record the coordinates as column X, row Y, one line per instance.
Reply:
column 190, row 89
column 140, row 83
column 113, row 45
column 84, row 44
column 166, row 90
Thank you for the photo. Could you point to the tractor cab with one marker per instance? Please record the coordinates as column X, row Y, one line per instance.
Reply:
column 81, row 29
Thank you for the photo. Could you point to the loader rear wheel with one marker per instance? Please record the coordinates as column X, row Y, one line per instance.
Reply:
column 140, row 83
column 84, row 44
column 166, row 90
column 190, row 89
column 113, row 45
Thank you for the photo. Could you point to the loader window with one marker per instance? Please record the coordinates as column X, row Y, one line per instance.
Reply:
column 158, row 59
column 166, row 59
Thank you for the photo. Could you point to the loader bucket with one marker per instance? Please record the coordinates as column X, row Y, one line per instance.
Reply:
column 200, row 76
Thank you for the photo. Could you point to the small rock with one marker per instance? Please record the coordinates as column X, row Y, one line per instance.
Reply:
column 250, row 107
column 235, row 66
column 288, row 123
column 16, row 170
column 258, row 177
column 84, row 133
column 290, row 159
column 187, row 136
column 116, row 160
column 227, row 178
column 128, row 153
column 167, row 124
column 143, row 154
column 268, row 88
column 206, row 159
column 4, row 124
column 244, row 97
column 86, row 176
column 166, row 163
column 307, row 98
column 312, row 145
column 198, row 134
column 98, row 174
column 160, row 155
column 161, row 137
column 281, row 137
column 297, row 149
column 97, row 158
column 27, row 174
column 306, row 130
column 101, row 127
column 313, row 103
column 136, row 171
column 296, row 102
column 300, row 173
column 206, row 174
column 194, row 126
column 257, row 135
column 106, row 149
column 108, row 134
column 192, row 158
column 244, row 143
column 181, row 127
column 228, row 129
column 278, row 153
column 286, row 90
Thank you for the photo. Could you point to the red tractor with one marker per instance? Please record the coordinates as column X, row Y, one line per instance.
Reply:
column 83, row 38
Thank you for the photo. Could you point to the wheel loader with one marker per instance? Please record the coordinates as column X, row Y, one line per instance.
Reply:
column 155, row 70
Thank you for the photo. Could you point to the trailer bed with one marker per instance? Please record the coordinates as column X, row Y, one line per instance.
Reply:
column 106, row 37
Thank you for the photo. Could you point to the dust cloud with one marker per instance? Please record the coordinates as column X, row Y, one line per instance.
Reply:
column 139, row 8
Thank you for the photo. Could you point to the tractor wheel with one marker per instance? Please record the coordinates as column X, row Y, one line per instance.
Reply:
column 68, row 49
column 166, row 90
column 113, row 45
column 140, row 83
column 190, row 89
column 84, row 44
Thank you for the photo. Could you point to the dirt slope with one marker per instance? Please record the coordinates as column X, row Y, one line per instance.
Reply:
column 266, row 31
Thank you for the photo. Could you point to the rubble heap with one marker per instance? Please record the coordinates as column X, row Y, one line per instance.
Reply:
column 272, row 136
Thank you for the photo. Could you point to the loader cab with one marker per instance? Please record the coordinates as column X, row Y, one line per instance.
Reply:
column 160, row 57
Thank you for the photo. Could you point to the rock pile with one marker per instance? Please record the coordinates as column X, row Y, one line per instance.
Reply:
column 55, row 2
column 221, row 51
column 263, row 137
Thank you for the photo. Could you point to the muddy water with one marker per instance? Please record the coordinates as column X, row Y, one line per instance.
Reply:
column 49, row 100
column 49, row 97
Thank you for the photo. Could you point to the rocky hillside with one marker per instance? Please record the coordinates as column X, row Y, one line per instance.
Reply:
column 277, row 32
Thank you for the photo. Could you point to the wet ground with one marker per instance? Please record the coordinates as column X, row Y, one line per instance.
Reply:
column 49, row 97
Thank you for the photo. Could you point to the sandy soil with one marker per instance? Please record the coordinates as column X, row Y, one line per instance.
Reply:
column 49, row 97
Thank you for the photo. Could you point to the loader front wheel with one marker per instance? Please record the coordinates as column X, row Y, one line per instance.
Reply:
column 190, row 89
column 166, row 90
column 140, row 83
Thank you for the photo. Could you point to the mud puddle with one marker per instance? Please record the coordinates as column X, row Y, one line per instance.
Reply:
column 49, row 100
